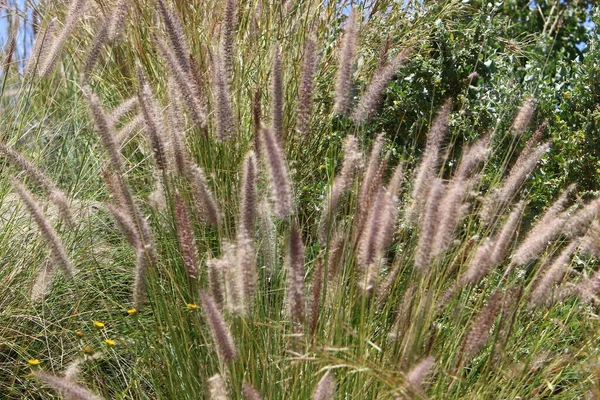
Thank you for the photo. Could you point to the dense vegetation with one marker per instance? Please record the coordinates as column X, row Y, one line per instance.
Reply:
column 230, row 199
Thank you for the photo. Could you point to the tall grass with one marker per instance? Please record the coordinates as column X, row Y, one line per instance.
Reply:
column 239, row 231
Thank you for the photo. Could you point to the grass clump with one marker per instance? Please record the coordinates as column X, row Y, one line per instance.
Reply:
column 238, row 230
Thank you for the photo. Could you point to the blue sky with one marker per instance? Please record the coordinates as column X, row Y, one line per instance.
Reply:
column 24, row 32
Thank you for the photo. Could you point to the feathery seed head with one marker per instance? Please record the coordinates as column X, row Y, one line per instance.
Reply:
column 154, row 124
column 503, row 239
column 341, row 184
column 105, row 129
column 346, row 64
column 479, row 333
column 305, row 88
column 429, row 225
column 67, row 387
column 480, row 263
column 430, row 161
column 419, row 372
column 325, row 388
column 186, row 238
column 542, row 287
column 219, row 331
column 277, row 95
column 278, row 175
column 249, row 392
column 174, row 28
column 141, row 270
column 207, row 205
column 248, row 203
column 217, row 389
column 59, row 253
column 370, row 100
column 222, row 100
column 295, row 287
column 52, row 54
column 524, row 116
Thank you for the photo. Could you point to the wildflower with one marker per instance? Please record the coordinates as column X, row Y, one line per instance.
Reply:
column 79, row 333
column 87, row 350
column 110, row 342
column 192, row 306
column 132, row 311
column 98, row 324
column 33, row 362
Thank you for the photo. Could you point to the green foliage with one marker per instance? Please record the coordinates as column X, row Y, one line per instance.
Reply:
column 486, row 57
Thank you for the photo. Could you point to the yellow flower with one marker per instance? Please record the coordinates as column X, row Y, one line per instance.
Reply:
column 191, row 305
column 109, row 342
column 322, row 167
column 33, row 362
column 132, row 311
column 98, row 324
